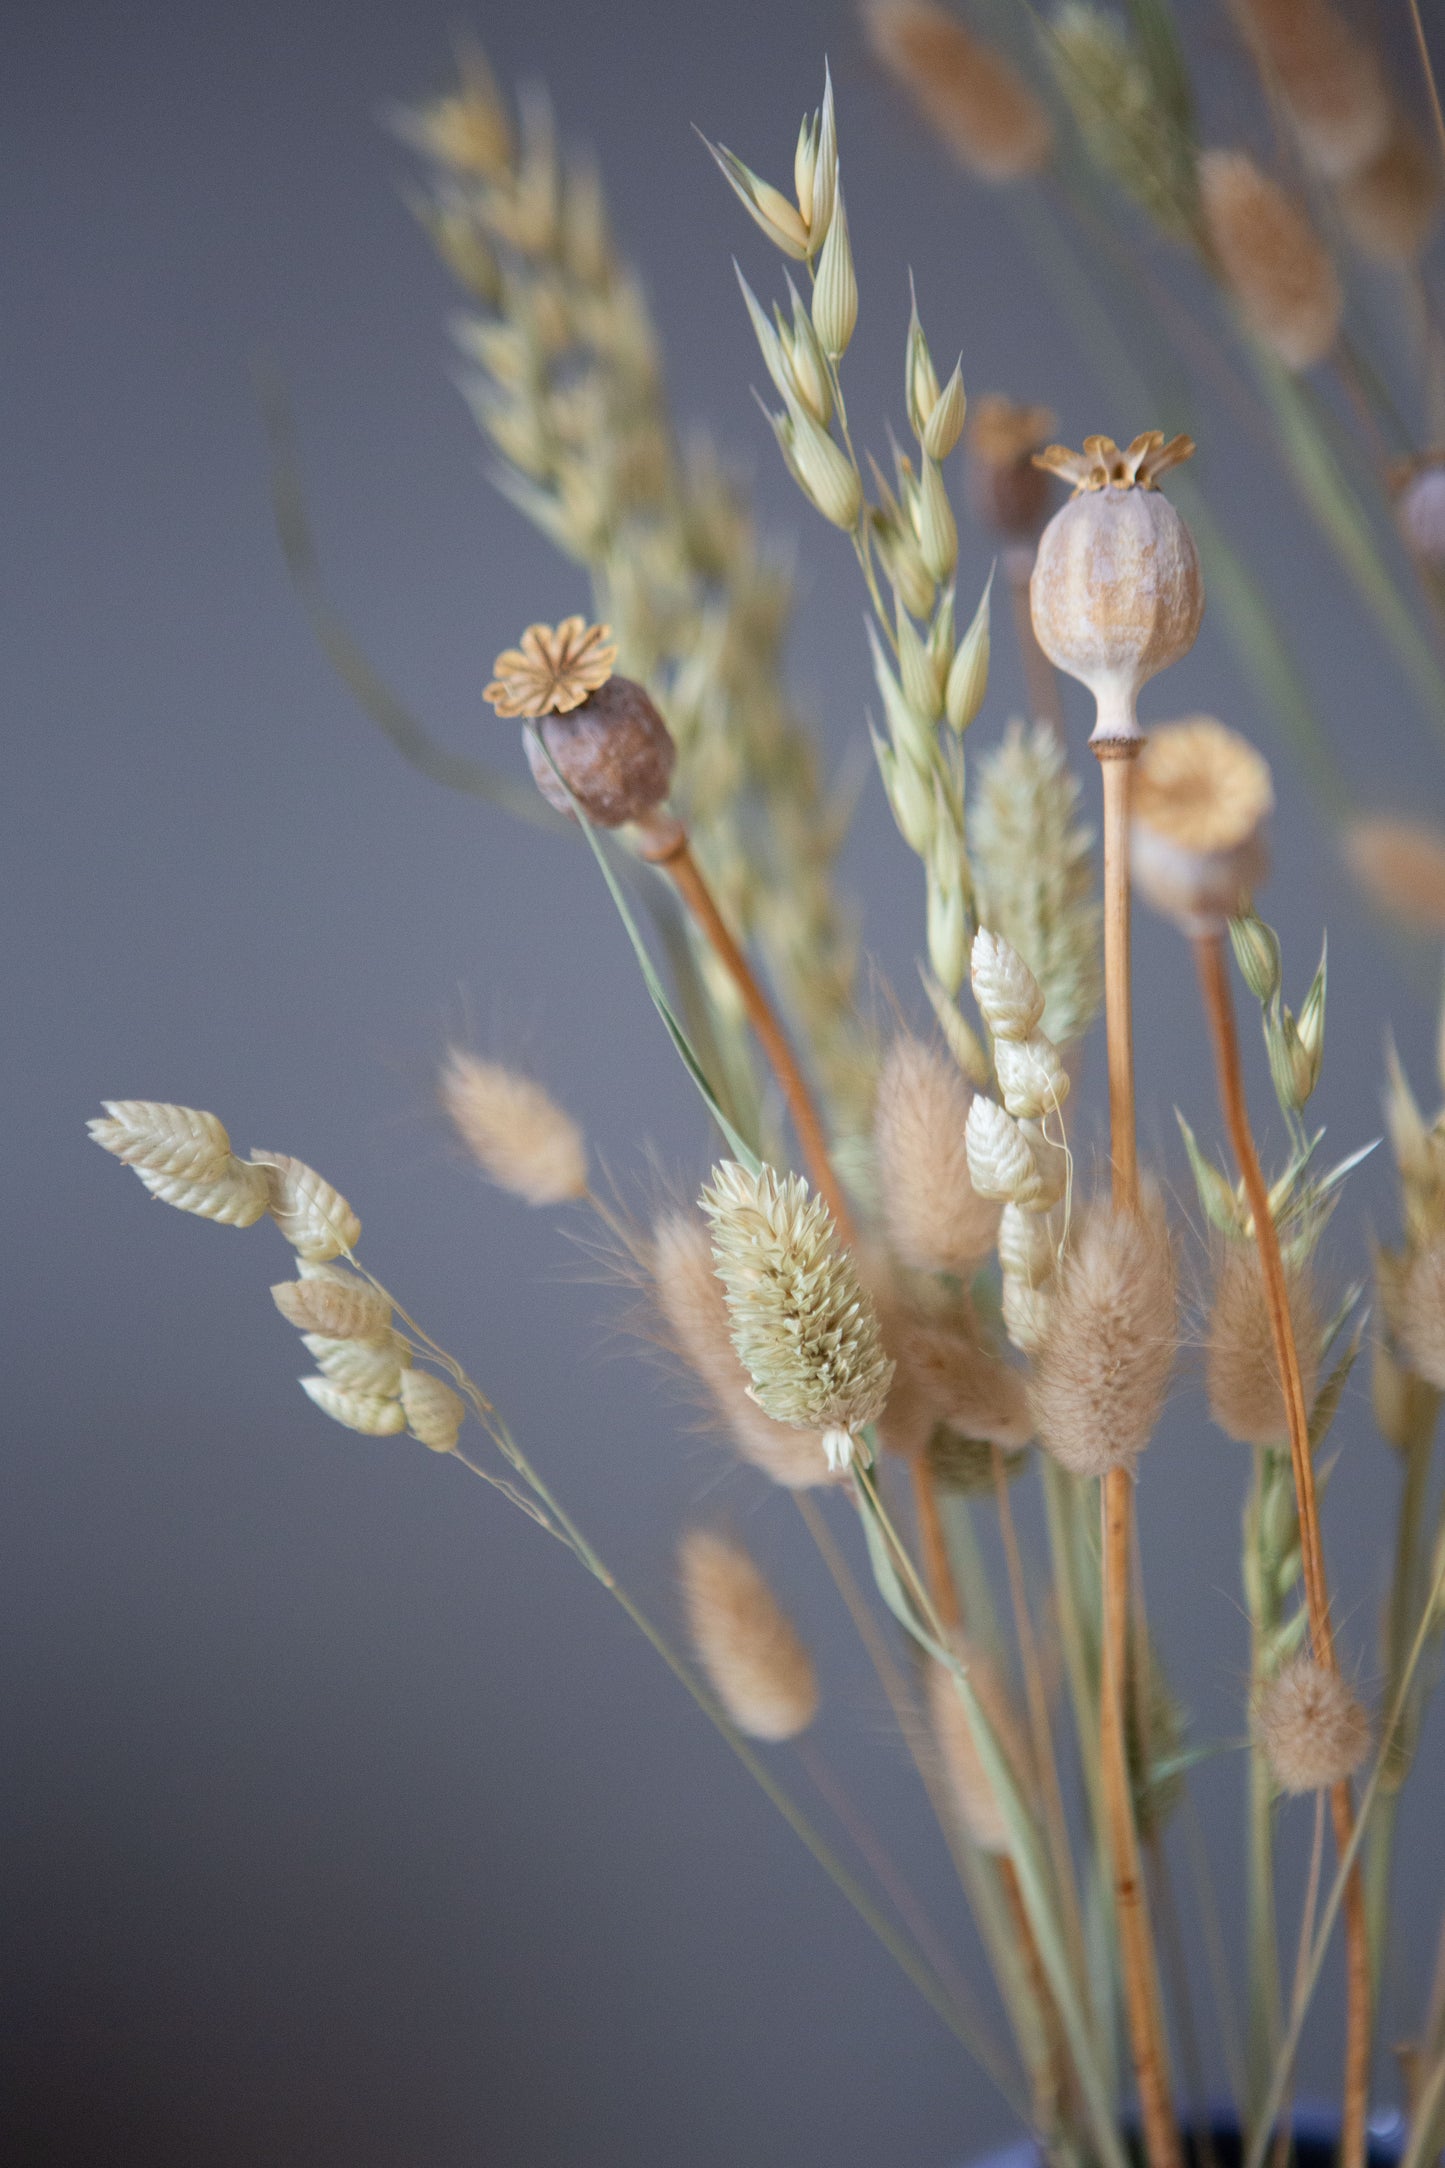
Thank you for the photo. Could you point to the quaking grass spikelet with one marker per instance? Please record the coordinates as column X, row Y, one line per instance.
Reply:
column 806, row 1332
column 1032, row 858
column 749, row 1648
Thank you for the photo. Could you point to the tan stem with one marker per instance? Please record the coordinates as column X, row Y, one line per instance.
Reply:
column 1139, row 1961
column 1040, row 681
column 1219, row 1008
column 666, row 845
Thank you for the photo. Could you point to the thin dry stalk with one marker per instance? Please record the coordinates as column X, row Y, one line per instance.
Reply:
column 1219, row 1009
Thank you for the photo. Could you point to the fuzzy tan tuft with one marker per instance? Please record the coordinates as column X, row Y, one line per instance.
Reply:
column 1314, row 1729
column 969, row 1788
column 1103, row 1370
column 1390, row 206
column 967, row 1387
column 1330, row 81
column 935, row 1217
column 694, row 1314
column 1419, row 1309
column 1270, row 258
column 1240, row 1368
column 749, row 1648
column 975, row 100
column 1400, row 864
column 514, row 1130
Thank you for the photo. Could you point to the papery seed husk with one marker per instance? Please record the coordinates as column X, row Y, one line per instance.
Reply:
column 434, row 1413
column 373, row 1414
column 340, row 1306
column 166, row 1139
column 234, row 1195
column 363, row 1366
column 1009, row 997
column 315, row 1218
column 749, row 1648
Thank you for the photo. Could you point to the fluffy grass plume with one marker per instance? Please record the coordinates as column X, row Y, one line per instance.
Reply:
column 1314, row 1729
column 1420, row 1312
column 973, row 1796
column 747, row 1645
column 1400, row 864
column 807, row 1333
column 935, row 1218
column 1327, row 77
column 1270, row 258
column 1390, row 206
column 514, row 1130
column 1241, row 1370
column 1104, row 1367
column 972, row 97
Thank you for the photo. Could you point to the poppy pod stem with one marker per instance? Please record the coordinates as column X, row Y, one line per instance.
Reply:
column 1214, row 986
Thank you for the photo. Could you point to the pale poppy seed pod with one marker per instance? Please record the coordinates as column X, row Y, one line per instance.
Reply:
column 1116, row 592
column 1420, row 509
column 1419, row 1312
column 1202, row 797
column 1313, row 1728
column 1273, row 264
column 974, row 1798
column 613, row 753
column 936, row 1219
column 1102, row 1373
column 1009, row 997
column 1241, row 1369
column 749, row 1648
column 1031, row 1076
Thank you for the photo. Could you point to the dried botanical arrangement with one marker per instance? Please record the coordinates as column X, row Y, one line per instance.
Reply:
column 897, row 1292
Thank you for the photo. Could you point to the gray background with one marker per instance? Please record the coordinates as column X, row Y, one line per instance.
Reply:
column 345, row 1821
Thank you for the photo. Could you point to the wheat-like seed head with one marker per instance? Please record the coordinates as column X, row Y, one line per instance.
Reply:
column 807, row 1333
column 749, row 1648
column 514, row 1130
column 1032, row 859
column 1103, row 1370
column 1314, row 1729
column 936, row 1219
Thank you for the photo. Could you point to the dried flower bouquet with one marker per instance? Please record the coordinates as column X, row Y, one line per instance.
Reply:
column 927, row 1306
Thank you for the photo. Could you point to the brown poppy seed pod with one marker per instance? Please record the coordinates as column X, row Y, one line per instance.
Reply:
column 1391, row 205
column 1116, row 592
column 1202, row 797
column 747, row 1645
column 936, row 1220
column 1400, row 864
column 1331, row 83
column 973, row 98
column 972, row 1794
column 613, row 753
column 1419, row 1312
column 694, row 1316
column 1103, row 1370
column 1313, row 1727
column 1272, row 262
column 1241, row 1370
column 1009, row 493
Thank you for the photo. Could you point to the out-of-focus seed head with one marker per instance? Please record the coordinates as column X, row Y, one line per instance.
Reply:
column 1330, row 81
column 965, row 1385
column 1273, row 263
column 1400, row 864
column 1116, row 592
column 974, row 1797
column 1009, row 493
column 1313, row 1728
column 974, row 99
column 1241, row 1368
column 1419, row 1311
column 1202, row 797
column 514, row 1130
column 749, row 1648
column 1102, row 1374
column 1391, row 205
column 1032, row 860
column 936, row 1219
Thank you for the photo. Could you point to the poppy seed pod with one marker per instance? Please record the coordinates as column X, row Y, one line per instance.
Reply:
column 614, row 754
column 1201, row 801
column 1116, row 593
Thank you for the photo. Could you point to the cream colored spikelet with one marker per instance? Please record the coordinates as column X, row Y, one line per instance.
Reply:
column 1032, row 858
column 1009, row 997
column 975, row 100
column 315, row 1218
column 184, row 1158
column 807, row 1333
column 1314, row 1729
column 750, row 1650
column 1241, row 1368
column 1272, row 261
column 514, row 1130
column 1103, row 1371
column 373, row 1414
column 936, row 1219
column 363, row 1366
column 434, row 1413
column 335, row 1303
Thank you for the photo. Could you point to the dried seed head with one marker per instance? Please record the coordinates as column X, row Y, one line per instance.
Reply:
column 1390, row 206
column 694, row 1313
column 965, row 1386
column 315, row 1218
column 1271, row 260
column 1401, row 866
column 748, row 1646
column 375, row 1415
column 1009, row 997
column 1116, row 592
column 1031, row 1076
column 936, row 1219
column 613, row 753
column 1028, row 1313
column 362, row 1366
column 1328, row 78
column 1010, row 494
column 973, row 1796
column 517, row 1134
column 337, row 1304
column 1241, row 1369
column 184, row 1158
column 807, row 1333
column 1127, row 127
column 1419, row 1311
column 974, row 99
column 1101, row 1375
column 1202, row 796
column 1012, row 1160
column 468, row 131
column 552, row 672
column 434, row 1413
column 966, row 1465
column 1314, row 1730
column 1032, row 860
